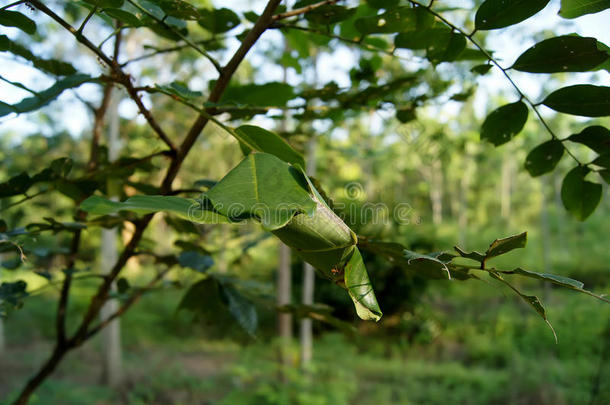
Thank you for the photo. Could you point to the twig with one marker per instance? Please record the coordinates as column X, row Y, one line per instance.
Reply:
column 86, row 20
column 302, row 10
column 184, row 38
column 12, row 4
column 119, row 76
column 504, row 72
column 60, row 322
column 127, row 304
column 26, row 198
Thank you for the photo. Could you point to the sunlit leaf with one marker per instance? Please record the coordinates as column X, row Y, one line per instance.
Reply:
column 218, row 20
column 360, row 289
column 51, row 66
column 576, row 8
column 258, row 139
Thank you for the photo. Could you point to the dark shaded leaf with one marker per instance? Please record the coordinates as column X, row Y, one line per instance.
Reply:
column 579, row 196
column 493, row 14
column 218, row 20
column 567, row 53
column 10, row 18
column 474, row 255
column 481, row 69
column 11, row 296
column 329, row 14
column 196, row 261
column 595, row 137
column 582, row 99
column 385, row 4
column 240, row 307
column 402, row 19
column 105, row 3
column 504, row 123
column 127, row 18
column 544, row 157
column 576, row 8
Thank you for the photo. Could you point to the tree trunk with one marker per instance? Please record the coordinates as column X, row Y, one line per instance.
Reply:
column 463, row 211
column 436, row 192
column 506, row 186
column 111, row 335
column 306, row 333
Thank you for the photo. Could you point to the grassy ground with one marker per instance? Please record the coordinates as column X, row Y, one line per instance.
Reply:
column 475, row 348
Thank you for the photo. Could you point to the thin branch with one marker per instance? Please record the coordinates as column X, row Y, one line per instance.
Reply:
column 302, row 10
column 60, row 322
column 504, row 72
column 119, row 76
column 183, row 37
column 168, row 50
column 26, row 198
column 12, row 5
column 86, row 20
column 127, row 304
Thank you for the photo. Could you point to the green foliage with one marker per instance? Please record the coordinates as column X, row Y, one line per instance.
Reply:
column 502, row 124
column 576, row 8
column 544, row 158
column 10, row 18
column 567, row 53
column 494, row 14
column 580, row 196
column 585, row 100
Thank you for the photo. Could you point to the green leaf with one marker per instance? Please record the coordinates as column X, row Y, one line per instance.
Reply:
column 582, row 99
column 264, row 187
column 493, row 14
column 16, row 185
column 426, row 263
column 179, row 9
column 531, row 300
column 50, row 66
column 218, row 20
column 567, row 53
column 579, row 196
column 329, row 14
column 360, row 289
column 260, row 95
column 553, row 278
column 11, row 296
column 127, row 18
column 45, row 97
column 106, row 3
column 385, row 4
column 504, row 123
column 240, row 307
column 474, row 255
column 10, row 18
column 576, row 8
column 441, row 43
column 402, row 19
column 595, row 137
column 603, row 161
column 196, row 261
column 259, row 139
column 185, row 208
column 504, row 245
column 544, row 157
column 481, row 69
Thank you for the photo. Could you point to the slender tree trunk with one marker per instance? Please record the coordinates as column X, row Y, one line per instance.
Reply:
column 306, row 333
column 111, row 335
column 2, row 338
column 436, row 192
column 284, row 273
column 463, row 211
column 506, row 186
column 546, row 239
